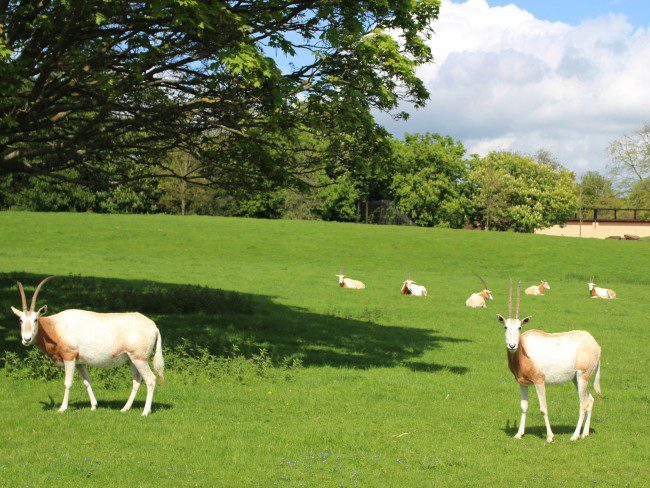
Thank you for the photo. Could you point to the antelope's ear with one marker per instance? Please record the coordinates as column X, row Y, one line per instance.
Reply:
column 16, row 311
column 501, row 319
column 526, row 320
column 42, row 310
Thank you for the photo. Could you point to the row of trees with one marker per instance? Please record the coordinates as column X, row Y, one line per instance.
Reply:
column 429, row 177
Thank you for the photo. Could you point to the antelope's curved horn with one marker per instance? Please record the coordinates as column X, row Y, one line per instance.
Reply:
column 518, row 299
column 482, row 280
column 23, row 298
column 510, row 300
column 35, row 295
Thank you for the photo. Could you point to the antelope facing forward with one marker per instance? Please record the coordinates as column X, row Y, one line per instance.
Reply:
column 479, row 299
column 538, row 358
column 349, row 282
column 597, row 292
column 78, row 338
column 537, row 289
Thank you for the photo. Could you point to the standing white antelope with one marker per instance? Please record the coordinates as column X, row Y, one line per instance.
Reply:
column 410, row 288
column 538, row 358
column 537, row 289
column 349, row 282
column 79, row 337
column 597, row 292
column 479, row 299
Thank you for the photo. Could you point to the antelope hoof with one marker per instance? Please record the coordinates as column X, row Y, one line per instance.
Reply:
column 584, row 434
column 125, row 409
column 549, row 438
column 93, row 407
column 145, row 413
column 575, row 437
column 519, row 435
column 61, row 410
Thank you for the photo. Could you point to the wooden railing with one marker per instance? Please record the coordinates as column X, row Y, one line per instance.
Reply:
column 614, row 214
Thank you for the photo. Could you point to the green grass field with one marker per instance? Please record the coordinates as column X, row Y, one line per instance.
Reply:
column 352, row 388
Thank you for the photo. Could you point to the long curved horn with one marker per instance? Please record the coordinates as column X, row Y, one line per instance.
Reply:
column 35, row 295
column 22, row 296
column 510, row 300
column 482, row 280
column 518, row 298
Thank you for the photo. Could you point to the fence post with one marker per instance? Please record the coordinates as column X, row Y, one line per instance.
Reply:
column 615, row 214
column 366, row 211
column 595, row 214
column 635, row 214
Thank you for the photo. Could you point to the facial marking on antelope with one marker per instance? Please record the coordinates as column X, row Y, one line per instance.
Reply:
column 341, row 277
column 513, row 325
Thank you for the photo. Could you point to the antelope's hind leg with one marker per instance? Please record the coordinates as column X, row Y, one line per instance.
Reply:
column 524, row 409
column 137, row 379
column 86, row 379
column 149, row 380
column 582, row 385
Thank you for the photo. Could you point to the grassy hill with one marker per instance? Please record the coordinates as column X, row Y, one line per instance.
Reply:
column 278, row 377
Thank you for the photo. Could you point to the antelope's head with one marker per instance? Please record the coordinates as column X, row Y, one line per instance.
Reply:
column 29, row 317
column 513, row 326
column 546, row 285
column 591, row 283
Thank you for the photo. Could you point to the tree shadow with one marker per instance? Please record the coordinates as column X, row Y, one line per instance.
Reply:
column 221, row 321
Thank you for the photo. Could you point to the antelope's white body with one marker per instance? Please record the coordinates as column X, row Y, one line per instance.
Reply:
column 350, row 283
column 478, row 300
column 597, row 292
column 105, row 340
column 537, row 290
column 410, row 288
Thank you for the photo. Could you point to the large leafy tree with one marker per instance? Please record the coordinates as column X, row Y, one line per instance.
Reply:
column 100, row 86
column 513, row 191
column 430, row 181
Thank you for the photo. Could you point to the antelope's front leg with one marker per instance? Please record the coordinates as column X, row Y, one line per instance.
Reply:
column 541, row 395
column 69, row 374
column 524, row 409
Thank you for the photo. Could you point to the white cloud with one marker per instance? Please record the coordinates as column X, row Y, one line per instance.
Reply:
column 503, row 79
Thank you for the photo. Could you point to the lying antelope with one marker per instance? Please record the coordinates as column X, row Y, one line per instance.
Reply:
column 597, row 292
column 349, row 282
column 538, row 358
column 537, row 289
column 79, row 338
column 478, row 300
column 410, row 288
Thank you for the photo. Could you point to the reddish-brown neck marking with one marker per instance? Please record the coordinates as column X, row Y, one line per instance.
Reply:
column 522, row 367
column 592, row 292
column 405, row 290
column 48, row 341
column 483, row 293
column 541, row 289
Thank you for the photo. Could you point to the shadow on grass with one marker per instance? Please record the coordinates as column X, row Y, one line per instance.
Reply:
column 109, row 405
column 540, row 430
column 222, row 321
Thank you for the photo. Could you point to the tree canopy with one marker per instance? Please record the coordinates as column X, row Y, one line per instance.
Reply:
column 92, row 88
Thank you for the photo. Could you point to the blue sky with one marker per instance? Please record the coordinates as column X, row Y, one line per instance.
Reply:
column 575, row 11
column 522, row 75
